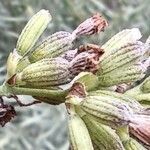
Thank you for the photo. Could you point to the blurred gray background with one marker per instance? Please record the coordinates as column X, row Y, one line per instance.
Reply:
column 44, row 127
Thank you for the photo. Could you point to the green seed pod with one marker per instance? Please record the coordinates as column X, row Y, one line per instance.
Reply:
column 52, row 47
column 44, row 73
column 32, row 31
column 121, row 38
column 127, row 54
column 132, row 144
column 136, row 106
column 103, row 137
column 128, row 142
column 79, row 135
column 12, row 62
column 145, row 87
column 22, row 63
column 105, row 108
column 123, row 75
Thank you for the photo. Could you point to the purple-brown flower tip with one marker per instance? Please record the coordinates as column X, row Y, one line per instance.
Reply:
column 78, row 90
column 86, row 59
column 92, row 25
column 141, row 131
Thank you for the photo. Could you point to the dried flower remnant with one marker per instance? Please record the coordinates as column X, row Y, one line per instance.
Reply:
column 7, row 112
column 93, row 25
column 77, row 89
column 141, row 131
column 69, row 55
column 86, row 59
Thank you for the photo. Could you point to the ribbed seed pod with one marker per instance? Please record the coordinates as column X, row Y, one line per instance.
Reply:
column 123, row 75
column 22, row 63
column 146, row 85
column 136, row 106
column 79, row 135
column 32, row 31
column 103, row 137
column 128, row 142
column 107, row 109
column 44, row 73
column 53, row 46
column 12, row 62
column 121, row 38
column 127, row 54
column 132, row 144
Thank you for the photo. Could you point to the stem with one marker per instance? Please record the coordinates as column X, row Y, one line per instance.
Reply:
column 37, row 92
column 6, row 90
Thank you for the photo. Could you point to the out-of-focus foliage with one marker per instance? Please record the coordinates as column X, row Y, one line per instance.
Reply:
column 43, row 127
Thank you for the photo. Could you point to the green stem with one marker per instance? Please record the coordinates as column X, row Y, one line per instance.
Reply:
column 6, row 90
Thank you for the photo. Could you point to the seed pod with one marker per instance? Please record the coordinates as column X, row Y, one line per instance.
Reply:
column 103, row 137
column 60, row 42
column 132, row 144
column 121, row 38
column 53, row 46
column 32, row 31
column 136, row 106
column 145, row 87
column 123, row 75
column 79, row 135
column 22, row 63
column 44, row 73
column 107, row 109
column 12, row 62
column 128, row 142
column 127, row 54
